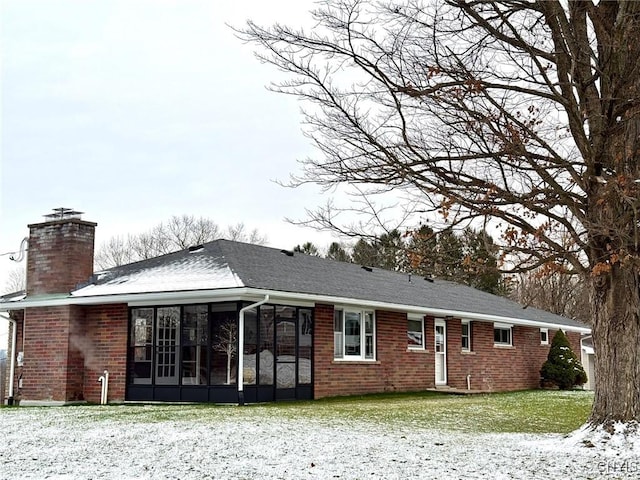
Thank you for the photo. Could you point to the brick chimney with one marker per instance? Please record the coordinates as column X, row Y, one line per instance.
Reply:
column 60, row 254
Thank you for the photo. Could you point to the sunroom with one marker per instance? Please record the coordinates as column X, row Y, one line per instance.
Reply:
column 189, row 353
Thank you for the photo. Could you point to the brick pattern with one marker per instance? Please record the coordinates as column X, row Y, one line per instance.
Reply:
column 395, row 369
column 66, row 350
column 60, row 255
column 399, row 369
column 498, row 368
column 106, row 341
column 51, row 369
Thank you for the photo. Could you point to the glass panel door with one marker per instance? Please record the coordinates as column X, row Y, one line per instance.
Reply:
column 167, row 344
column 286, row 347
column 224, row 342
column 305, row 346
column 441, row 352
column 195, row 336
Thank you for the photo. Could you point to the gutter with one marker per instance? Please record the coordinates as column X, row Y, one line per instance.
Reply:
column 12, row 367
column 171, row 297
column 241, row 347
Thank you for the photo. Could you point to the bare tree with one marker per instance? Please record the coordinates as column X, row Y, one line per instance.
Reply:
column 239, row 233
column 227, row 343
column 16, row 280
column 178, row 233
column 521, row 114
column 561, row 294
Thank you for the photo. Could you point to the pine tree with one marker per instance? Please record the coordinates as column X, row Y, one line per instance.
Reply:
column 562, row 366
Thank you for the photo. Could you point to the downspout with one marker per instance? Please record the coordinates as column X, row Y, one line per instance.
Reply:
column 241, row 347
column 12, row 364
column 104, row 389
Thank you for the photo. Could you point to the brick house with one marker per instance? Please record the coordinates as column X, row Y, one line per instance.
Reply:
column 170, row 328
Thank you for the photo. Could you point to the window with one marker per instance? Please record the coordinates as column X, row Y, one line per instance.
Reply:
column 197, row 345
column 502, row 334
column 223, row 355
column 141, row 343
column 544, row 336
column 195, row 337
column 415, row 333
column 353, row 334
column 466, row 336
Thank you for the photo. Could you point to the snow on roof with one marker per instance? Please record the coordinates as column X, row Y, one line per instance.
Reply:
column 190, row 272
column 13, row 297
column 224, row 264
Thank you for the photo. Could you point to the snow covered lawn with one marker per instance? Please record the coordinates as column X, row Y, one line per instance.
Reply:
column 263, row 442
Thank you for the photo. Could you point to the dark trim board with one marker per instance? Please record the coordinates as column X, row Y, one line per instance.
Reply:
column 218, row 394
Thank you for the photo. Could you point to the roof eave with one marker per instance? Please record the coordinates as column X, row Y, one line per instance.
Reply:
column 250, row 294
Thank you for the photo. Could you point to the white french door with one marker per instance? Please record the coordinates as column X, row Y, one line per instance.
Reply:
column 167, row 343
column 440, row 349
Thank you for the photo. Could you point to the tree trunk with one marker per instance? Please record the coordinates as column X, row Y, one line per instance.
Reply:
column 616, row 339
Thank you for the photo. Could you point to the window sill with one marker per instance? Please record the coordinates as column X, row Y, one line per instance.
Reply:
column 468, row 352
column 418, row 350
column 338, row 361
column 505, row 347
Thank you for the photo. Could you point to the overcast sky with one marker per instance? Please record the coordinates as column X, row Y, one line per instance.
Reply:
column 136, row 110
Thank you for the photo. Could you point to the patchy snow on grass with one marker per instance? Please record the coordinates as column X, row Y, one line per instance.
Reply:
column 160, row 442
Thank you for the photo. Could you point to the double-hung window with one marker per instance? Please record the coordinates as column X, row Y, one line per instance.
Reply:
column 502, row 334
column 466, row 336
column 354, row 334
column 415, row 333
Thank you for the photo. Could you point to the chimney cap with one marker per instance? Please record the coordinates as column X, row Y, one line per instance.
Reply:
column 63, row 213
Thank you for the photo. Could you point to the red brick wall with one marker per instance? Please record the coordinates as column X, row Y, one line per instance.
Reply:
column 398, row 369
column 67, row 349
column 395, row 368
column 497, row 368
column 106, row 339
column 60, row 255
column 52, row 366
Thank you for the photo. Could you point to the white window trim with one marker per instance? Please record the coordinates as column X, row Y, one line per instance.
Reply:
column 417, row 318
column 546, row 331
column 362, row 357
column 503, row 326
column 468, row 323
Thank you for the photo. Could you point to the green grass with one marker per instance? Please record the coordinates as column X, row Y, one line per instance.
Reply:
column 524, row 412
column 517, row 412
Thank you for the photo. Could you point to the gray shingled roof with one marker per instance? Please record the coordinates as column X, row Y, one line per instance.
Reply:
column 233, row 264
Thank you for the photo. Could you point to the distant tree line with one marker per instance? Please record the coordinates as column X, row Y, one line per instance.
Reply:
column 469, row 257
column 177, row 233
